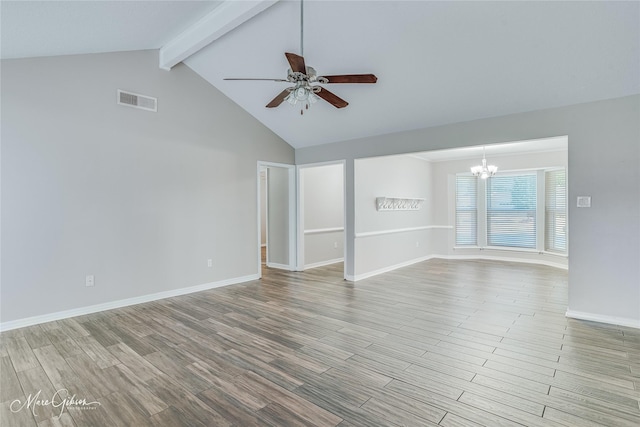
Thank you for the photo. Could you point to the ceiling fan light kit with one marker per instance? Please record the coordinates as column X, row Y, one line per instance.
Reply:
column 303, row 94
column 303, row 91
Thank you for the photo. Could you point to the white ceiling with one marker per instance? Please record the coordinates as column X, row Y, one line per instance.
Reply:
column 436, row 62
column 50, row 28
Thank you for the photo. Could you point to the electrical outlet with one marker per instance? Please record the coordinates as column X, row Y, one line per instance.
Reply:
column 89, row 280
column 417, row 244
column 209, row 263
column 335, row 245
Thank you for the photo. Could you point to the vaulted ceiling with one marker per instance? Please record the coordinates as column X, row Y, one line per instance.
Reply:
column 436, row 62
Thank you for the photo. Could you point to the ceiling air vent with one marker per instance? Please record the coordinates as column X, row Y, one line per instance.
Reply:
column 136, row 100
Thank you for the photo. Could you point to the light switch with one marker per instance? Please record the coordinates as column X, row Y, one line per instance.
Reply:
column 584, row 201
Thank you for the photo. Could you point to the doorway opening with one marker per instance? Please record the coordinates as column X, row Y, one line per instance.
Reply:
column 276, row 216
column 321, row 216
column 519, row 215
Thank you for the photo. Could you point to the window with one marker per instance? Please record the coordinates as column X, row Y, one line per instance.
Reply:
column 555, row 216
column 526, row 210
column 466, row 211
column 511, row 211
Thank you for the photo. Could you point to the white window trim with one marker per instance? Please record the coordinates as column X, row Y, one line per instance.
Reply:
column 481, row 205
column 566, row 205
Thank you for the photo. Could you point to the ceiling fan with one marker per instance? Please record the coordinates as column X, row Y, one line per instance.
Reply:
column 306, row 89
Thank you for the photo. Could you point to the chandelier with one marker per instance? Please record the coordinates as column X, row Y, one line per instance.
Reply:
column 484, row 171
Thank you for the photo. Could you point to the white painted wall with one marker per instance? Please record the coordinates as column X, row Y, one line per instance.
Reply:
column 141, row 200
column 322, row 196
column 393, row 176
column 604, row 153
column 379, row 244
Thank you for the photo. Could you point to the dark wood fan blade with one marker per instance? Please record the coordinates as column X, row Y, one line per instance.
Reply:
column 269, row 80
column 296, row 62
column 352, row 78
column 332, row 98
column 278, row 99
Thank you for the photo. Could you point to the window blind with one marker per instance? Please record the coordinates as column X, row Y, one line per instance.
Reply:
column 511, row 211
column 555, row 233
column 466, row 210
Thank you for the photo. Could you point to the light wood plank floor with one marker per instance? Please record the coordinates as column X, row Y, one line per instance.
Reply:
column 449, row 343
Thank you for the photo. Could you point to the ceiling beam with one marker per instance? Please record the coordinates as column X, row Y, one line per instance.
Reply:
column 212, row 26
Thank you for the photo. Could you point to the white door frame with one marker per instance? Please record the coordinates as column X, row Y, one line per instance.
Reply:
column 292, row 211
column 299, row 211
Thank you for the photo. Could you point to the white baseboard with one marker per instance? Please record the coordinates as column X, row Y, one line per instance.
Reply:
column 451, row 257
column 505, row 259
column 611, row 320
column 387, row 269
column 50, row 317
column 279, row 266
column 323, row 263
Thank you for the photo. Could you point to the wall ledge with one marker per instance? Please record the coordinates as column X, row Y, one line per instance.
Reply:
column 402, row 230
column 323, row 230
column 600, row 318
column 50, row 317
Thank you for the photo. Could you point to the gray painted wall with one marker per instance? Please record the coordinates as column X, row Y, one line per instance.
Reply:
column 277, row 217
column 263, row 207
column 322, row 202
column 323, row 196
column 141, row 200
column 604, row 153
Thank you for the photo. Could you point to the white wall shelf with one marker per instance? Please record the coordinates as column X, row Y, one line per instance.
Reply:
column 398, row 204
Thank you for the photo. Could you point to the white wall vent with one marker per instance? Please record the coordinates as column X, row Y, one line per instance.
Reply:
column 136, row 100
